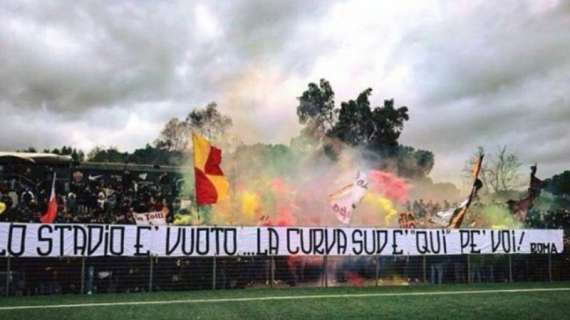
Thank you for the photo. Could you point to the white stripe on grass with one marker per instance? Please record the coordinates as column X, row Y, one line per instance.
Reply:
column 278, row 298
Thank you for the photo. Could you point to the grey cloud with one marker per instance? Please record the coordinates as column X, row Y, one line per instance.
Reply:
column 76, row 60
column 495, row 76
column 492, row 74
column 108, row 56
column 262, row 28
column 125, row 52
column 491, row 48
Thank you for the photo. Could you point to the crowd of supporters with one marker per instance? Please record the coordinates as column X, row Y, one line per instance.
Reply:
column 426, row 209
column 91, row 196
column 87, row 197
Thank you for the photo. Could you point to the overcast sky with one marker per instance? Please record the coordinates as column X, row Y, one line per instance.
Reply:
column 111, row 73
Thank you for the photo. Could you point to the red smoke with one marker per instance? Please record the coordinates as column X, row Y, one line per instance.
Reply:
column 284, row 217
column 354, row 279
column 392, row 187
column 279, row 186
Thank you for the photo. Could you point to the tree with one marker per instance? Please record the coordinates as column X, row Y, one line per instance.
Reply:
column 100, row 154
column 316, row 109
column 29, row 149
column 77, row 155
column 504, row 170
column 146, row 155
column 470, row 164
column 355, row 124
column 388, row 124
column 208, row 122
column 377, row 129
column 174, row 136
column 559, row 184
column 414, row 163
column 499, row 171
column 158, row 156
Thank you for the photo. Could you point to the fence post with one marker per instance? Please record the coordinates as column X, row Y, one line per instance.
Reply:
column 424, row 268
column 510, row 269
column 549, row 266
column 272, row 268
column 377, row 268
column 214, row 273
column 82, row 276
column 267, row 270
column 325, row 277
column 468, row 268
column 8, row 276
column 150, row 273
column 322, row 280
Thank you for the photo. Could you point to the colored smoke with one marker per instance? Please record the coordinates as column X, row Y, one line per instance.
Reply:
column 354, row 279
column 389, row 185
column 382, row 205
column 499, row 217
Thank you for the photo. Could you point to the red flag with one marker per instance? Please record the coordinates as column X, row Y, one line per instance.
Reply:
column 51, row 212
column 521, row 207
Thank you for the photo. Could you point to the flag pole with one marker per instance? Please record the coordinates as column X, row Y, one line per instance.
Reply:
column 196, row 200
column 195, row 187
column 457, row 217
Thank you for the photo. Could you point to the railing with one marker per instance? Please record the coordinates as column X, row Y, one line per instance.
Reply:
column 34, row 276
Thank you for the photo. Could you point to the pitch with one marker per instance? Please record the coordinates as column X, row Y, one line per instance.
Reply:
column 490, row 301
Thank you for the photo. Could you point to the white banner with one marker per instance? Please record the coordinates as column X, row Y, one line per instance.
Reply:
column 80, row 240
column 155, row 218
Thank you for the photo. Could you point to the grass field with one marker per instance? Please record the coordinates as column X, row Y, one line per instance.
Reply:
column 491, row 301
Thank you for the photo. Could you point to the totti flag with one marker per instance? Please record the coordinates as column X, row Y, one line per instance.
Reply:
column 51, row 212
column 344, row 201
column 211, row 185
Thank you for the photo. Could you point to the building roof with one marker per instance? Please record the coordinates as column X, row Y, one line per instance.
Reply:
column 34, row 157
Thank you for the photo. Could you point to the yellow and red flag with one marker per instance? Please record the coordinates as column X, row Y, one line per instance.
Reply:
column 211, row 184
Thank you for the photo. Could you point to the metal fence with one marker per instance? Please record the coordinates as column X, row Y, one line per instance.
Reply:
column 37, row 276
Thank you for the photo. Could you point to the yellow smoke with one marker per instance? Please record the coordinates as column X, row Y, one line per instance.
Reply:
column 499, row 217
column 250, row 206
column 223, row 214
column 382, row 204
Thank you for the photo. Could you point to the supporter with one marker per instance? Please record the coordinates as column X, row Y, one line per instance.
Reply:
column 89, row 197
